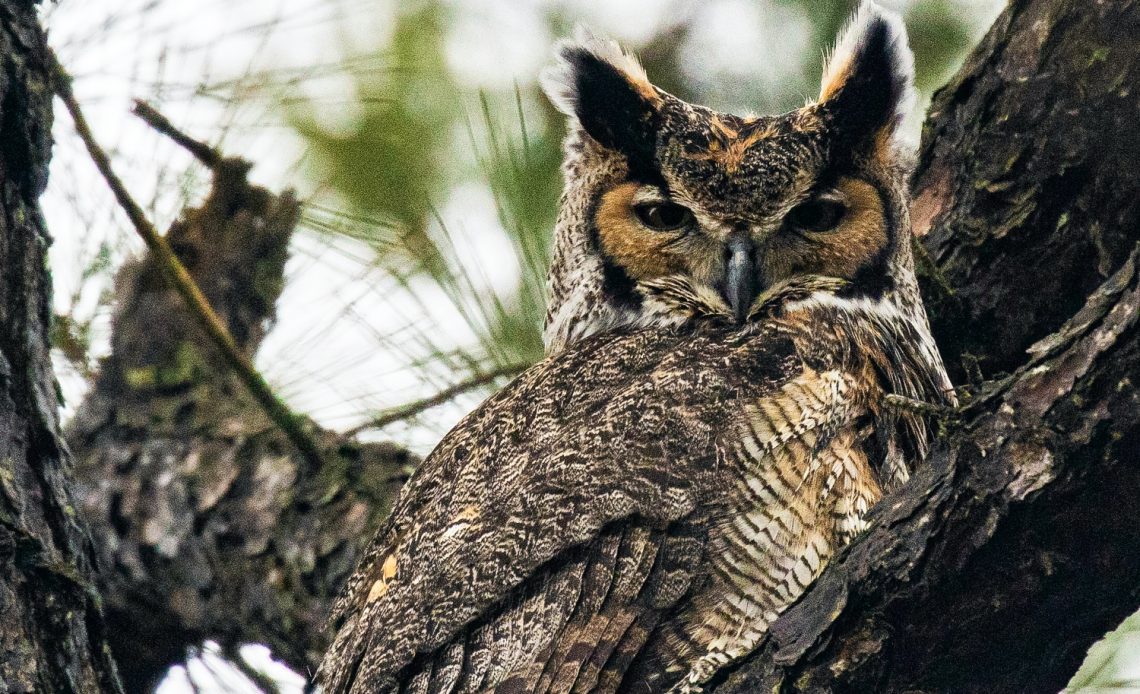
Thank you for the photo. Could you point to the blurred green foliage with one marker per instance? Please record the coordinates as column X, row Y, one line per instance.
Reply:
column 937, row 36
column 393, row 163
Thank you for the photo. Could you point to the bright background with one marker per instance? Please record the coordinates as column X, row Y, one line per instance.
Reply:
column 428, row 161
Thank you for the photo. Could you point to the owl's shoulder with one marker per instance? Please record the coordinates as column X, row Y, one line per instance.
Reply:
column 621, row 425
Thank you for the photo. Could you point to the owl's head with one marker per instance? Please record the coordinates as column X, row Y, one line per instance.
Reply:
column 672, row 209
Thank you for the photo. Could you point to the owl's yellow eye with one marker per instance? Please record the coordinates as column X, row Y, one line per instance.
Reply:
column 822, row 213
column 662, row 216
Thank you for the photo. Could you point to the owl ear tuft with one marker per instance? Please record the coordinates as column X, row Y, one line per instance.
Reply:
column 868, row 82
column 606, row 91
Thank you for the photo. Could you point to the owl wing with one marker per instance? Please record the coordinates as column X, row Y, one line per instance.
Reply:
column 545, row 534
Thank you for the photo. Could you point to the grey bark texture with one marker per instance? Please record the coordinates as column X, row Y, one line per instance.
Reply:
column 208, row 523
column 52, row 635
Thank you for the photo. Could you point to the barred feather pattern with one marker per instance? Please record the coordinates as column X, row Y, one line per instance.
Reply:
column 632, row 514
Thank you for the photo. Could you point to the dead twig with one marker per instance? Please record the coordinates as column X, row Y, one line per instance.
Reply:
column 201, row 151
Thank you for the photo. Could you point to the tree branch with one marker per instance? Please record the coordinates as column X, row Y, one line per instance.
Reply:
column 201, row 151
column 447, row 394
column 208, row 523
column 52, row 635
column 997, row 566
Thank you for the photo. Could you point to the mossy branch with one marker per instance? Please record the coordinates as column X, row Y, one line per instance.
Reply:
column 199, row 307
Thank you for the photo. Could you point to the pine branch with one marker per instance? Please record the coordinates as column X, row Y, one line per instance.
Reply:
column 417, row 406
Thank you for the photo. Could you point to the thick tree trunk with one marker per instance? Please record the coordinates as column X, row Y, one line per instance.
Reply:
column 52, row 637
column 208, row 523
column 1018, row 545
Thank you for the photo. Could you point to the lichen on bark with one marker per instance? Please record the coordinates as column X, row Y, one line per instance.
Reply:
column 208, row 523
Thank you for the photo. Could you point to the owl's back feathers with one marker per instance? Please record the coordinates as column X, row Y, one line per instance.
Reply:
column 548, row 540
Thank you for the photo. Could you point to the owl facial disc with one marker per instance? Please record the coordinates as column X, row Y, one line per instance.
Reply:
column 673, row 210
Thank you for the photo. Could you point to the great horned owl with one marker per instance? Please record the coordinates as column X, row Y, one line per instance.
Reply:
column 730, row 300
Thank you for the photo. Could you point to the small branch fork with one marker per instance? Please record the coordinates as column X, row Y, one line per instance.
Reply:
column 289, row 423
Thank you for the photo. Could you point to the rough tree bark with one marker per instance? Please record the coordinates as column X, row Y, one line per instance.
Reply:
column 992, row 571
column 208, row 523
column 52, row 635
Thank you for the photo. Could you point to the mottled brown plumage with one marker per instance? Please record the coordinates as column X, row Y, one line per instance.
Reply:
column 731, row 298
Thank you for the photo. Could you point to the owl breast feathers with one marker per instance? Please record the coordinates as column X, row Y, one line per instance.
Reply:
column 605, row 521
column 730, row 300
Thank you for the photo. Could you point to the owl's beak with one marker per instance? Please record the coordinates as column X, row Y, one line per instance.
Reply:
column 741, row 284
